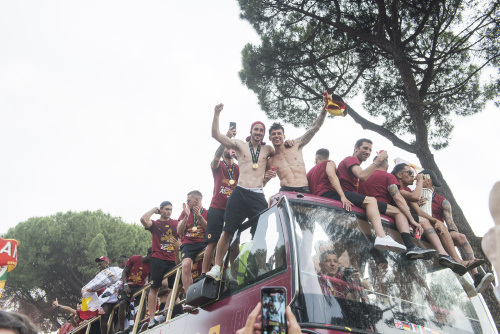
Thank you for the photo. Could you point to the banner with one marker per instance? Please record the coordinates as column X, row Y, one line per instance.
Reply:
column 8, row 259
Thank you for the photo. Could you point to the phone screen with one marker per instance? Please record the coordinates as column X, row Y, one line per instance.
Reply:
column 232, row 124
column 273, row 301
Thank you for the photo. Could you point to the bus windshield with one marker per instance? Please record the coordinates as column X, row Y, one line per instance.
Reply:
column 344, row 282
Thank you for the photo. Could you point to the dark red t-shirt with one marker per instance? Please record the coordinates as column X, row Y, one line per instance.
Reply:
column 161, row 232
column 318, row 180
column 437, row 207
column 196, row 268
column 138, row 272
column 376, row 186
column 190, row 236
column 348, row 181
column 222, row 188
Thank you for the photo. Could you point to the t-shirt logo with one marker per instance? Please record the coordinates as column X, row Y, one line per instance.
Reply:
column 166, row 236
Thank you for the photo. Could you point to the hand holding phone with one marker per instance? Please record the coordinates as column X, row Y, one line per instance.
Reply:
column 273, row 300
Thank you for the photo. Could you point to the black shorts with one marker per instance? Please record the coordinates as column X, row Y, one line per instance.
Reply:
column 304, row 190
column 128, row 297
column 415, row 217
column 191, row 250
column 159, row 268
column 355, row 198
column 215, row 223
column 242, row 204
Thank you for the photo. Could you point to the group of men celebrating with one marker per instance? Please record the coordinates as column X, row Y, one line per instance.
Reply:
column 238, row 195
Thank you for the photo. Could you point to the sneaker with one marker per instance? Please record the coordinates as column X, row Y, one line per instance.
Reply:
column 199, row 278
column 475, row 263
column 448, row 262
column 152, row 323
column 187, row 308
column 379, row 258
column 214, row 273
column 160, row 318
column 416, row 252
column 481, row 282
column 388, row 243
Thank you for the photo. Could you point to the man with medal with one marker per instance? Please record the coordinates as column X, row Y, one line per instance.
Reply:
column 288, row 160
column 191, row 228
column 225, row 173
column 247, row 198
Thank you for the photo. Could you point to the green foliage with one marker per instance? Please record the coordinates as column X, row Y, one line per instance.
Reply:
column 56, row 255
column 416, row 62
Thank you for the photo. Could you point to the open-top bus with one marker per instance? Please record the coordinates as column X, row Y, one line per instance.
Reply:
column 376, row 292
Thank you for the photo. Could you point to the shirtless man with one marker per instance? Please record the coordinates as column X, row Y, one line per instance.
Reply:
column 288, row 161
column 247, row 199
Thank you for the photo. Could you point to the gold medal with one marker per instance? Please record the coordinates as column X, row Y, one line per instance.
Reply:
column 231, row 182
column 255, row 166
column 194, row 229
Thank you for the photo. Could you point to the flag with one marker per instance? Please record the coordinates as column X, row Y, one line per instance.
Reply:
column 398, row 324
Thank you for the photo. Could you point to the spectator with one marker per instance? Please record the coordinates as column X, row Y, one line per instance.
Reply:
column 288, row 161
column 76, row 317
column 323, row 181
column 122, row 260
column 164, row 236
column 441, row 212
column 192, row 227
column 15, row 323
column 225, row 180
column 137, row 270
column 254, row 322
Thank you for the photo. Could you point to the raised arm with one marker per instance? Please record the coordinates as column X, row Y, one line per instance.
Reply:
column 67, row 309
column 220, row 150
column 224, row 140
column 334, row 180
column 146, row 218
column 415, row 195
column 364, row 174
column 306, row 137
column 181, row 227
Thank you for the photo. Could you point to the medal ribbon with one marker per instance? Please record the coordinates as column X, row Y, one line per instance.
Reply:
column 195, row 220
column 231, row 175
column 255, row 157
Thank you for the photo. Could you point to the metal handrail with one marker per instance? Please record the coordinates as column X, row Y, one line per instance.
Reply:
column 177, row 270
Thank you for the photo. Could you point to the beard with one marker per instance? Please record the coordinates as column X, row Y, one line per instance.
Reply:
column 227, row 155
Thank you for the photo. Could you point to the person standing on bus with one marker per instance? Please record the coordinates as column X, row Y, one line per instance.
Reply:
column 164, row 235
column 441, row 212
column 247, row 199
column 191, row 228
column 225, row 173
column 323, row 181
column 288, row 160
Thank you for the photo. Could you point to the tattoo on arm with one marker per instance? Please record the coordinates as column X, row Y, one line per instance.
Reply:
column 218, row 153
column 393, row 189
column 448, row 216
column 306, row 137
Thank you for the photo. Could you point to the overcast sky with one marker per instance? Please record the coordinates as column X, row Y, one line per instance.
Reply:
column 108, row 105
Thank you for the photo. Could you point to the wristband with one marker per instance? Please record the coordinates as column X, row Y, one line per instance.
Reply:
column 376, row 164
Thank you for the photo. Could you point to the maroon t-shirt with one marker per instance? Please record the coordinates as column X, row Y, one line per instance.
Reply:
column 348, row 181
column 437, row 207
column 161, row 232
column 222, row 188
column 318, row 180
column 138, row 272
column 191, row 236
column 376, row 186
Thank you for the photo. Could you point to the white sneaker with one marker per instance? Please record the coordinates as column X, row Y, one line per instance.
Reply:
column 215, row 273
column 388, row 243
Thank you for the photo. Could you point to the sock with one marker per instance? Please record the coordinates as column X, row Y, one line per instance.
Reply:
column 407, row 240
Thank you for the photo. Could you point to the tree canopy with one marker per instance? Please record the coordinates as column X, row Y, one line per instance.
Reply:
column 56, row 258
column 415, row 62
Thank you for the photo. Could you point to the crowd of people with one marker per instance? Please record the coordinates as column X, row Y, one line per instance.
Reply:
column 238, row 195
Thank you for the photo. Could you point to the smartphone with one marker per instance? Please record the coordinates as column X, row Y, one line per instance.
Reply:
column 273, row 301
column 232, row 124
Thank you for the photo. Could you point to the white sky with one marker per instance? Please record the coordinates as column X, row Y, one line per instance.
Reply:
column 108, row 105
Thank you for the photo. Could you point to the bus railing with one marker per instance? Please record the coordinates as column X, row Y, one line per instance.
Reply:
column 177, row 270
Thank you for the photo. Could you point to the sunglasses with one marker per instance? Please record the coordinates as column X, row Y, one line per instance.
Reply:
column 410, row 172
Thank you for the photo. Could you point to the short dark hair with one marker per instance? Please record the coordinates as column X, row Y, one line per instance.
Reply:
column 331, row 252
column 398, row 168
column 123, row 257
column 276, row 126
column 195, row 193
column 165, row 203
column 16, row 322
column 323, row 152
column 360, row 142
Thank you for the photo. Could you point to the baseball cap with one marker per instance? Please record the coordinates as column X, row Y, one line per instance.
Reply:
column 165, row 203
column 102, row 258
column 433, row 176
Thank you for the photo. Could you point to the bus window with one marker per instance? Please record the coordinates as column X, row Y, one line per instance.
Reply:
column 257, row 252
column 345, row 283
